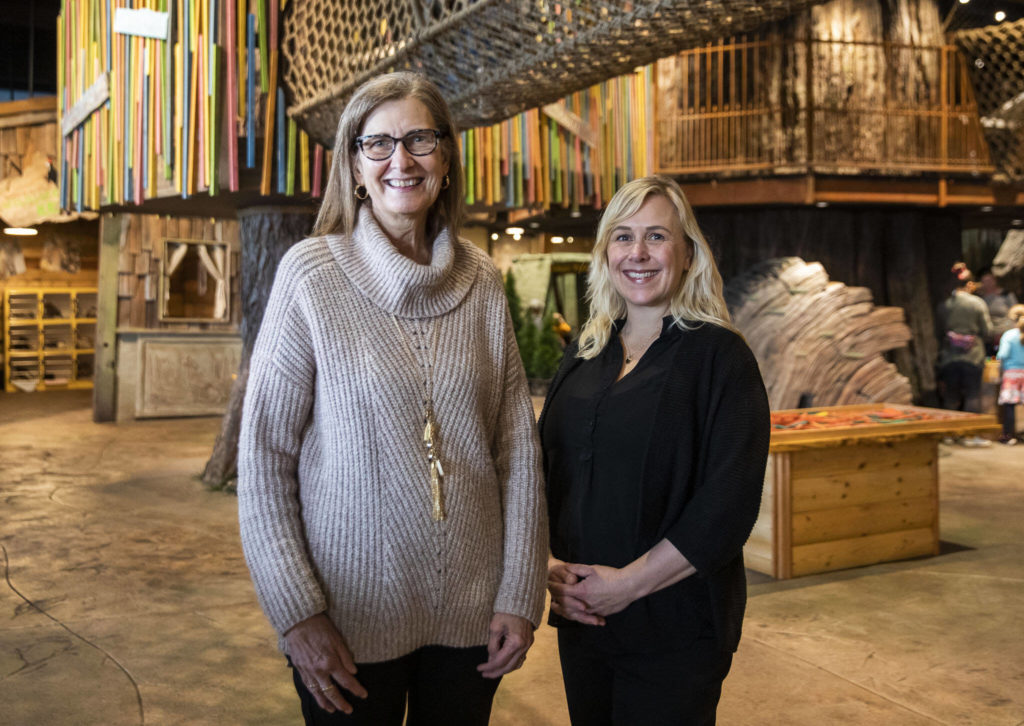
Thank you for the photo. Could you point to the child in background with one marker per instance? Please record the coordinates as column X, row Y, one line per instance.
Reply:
column 1011, row 359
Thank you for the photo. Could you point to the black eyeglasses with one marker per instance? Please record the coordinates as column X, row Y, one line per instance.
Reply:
column 378, row 147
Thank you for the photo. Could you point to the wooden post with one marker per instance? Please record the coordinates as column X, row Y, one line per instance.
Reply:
column 944, row 54
column 265, row 233
column 104, row 393
column 809, row 99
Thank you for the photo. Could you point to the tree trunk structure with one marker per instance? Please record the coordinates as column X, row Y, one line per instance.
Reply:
column 266, row 234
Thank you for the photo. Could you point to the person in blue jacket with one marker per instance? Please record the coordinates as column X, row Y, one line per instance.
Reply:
column 1011, row 363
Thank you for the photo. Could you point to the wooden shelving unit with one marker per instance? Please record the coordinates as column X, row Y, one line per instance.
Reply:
column 49, row 338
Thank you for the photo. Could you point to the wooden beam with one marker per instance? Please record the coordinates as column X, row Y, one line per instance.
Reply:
column 31, row 118
column 805, row 190
column 96, row 95
column 571, row 122
column 104, row 392
column 29, row 105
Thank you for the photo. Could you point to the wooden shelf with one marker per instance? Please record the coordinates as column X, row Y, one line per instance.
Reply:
column 68, row 366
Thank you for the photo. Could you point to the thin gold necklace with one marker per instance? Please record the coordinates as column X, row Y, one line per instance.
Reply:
column 647, row 344
column 431, row 431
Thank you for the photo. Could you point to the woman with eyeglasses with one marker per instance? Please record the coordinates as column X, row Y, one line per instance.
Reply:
column 390, row 497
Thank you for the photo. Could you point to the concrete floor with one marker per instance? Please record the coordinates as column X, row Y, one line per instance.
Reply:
column 126, row 599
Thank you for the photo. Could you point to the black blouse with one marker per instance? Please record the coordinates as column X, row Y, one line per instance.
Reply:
column 595, row 438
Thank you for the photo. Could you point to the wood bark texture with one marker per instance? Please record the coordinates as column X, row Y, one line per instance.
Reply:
column 266, row 234
column 817, row 342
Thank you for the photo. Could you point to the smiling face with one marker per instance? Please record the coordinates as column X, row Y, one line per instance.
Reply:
column 648, row 254
column 403, row 188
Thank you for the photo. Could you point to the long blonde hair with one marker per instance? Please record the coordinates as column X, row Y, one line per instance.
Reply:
column 698, row 298
column 340, row 207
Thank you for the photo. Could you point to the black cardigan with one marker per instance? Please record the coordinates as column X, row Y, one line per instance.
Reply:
column 703, row 471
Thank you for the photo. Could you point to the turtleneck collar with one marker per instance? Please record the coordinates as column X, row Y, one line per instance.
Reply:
column 395, row 283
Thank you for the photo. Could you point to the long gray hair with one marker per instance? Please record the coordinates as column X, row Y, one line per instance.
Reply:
column 340, row 207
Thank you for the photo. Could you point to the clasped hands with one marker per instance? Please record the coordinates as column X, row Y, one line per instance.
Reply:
column 588, row 593
column 321, row 656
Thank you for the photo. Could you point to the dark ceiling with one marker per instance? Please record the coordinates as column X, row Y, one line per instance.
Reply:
column 978, row 13
column 28, row 47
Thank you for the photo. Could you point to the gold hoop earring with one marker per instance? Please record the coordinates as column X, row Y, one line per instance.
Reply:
column 446, row 182
column 361, row 193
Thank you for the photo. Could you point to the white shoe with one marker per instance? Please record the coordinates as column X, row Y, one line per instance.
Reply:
column 975, row 442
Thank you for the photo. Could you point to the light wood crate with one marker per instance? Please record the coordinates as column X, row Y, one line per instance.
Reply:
column 852, row 496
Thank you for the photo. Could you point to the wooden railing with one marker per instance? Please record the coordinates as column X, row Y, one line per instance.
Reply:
column 750, row 106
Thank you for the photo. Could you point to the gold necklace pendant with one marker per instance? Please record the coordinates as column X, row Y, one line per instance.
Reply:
column 430, row 435
column 431, row 431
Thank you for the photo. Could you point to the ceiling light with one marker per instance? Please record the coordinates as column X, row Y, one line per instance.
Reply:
column 964, row 2
column 986, row 208
column 570, row 240
column 1017, row 222
column 21, row 231
column 494, row 236
column 821, row 205
column 1000, row 16
column 557, row 240
column 514, row 231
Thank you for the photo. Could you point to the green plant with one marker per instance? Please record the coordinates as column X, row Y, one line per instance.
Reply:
column 547, row 353
column 515, row 307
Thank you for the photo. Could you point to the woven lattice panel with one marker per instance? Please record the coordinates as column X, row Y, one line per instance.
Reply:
column 995, row 58
column 491, row 58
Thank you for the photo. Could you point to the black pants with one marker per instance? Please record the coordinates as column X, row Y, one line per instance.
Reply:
column 442, row 684
column 1009, row 420
column 961, row 386
column 608, row 688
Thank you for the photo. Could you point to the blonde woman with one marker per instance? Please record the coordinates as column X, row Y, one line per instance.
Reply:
column 655, row 437
column 389, row 488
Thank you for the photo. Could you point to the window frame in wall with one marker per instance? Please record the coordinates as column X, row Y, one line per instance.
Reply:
column 173, row 254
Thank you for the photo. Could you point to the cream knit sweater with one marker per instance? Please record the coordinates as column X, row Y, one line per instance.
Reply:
column 334, row 489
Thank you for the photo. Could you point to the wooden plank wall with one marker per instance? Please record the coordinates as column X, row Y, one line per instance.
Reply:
column 16, row 142
column 138, row 279
column 857, row 505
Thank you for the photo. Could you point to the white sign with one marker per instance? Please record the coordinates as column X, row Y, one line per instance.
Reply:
column 147, row 23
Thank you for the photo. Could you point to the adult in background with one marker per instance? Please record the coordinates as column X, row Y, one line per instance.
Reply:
column 655, row 434
column 963, row 326
column 999, row 302
column 389, row 478
column 1011, row 363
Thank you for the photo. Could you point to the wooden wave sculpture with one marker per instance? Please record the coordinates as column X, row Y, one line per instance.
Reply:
column 491, row 58
column 817, row 342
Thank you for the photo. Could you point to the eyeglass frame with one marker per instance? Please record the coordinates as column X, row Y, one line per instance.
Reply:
column 438, row 135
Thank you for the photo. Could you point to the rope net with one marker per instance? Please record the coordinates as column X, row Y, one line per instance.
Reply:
column 491, row 58
column 995, row 59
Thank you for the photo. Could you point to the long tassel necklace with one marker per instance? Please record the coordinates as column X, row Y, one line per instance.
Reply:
column 431, row 431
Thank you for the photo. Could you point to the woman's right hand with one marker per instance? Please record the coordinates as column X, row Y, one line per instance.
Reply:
column 322, row 657
column 563, row 604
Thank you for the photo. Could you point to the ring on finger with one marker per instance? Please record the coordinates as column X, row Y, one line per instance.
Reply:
column 325, row 689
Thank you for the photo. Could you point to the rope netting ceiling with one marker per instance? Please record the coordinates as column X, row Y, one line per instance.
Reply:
column 995, row 57
column 491, row 58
